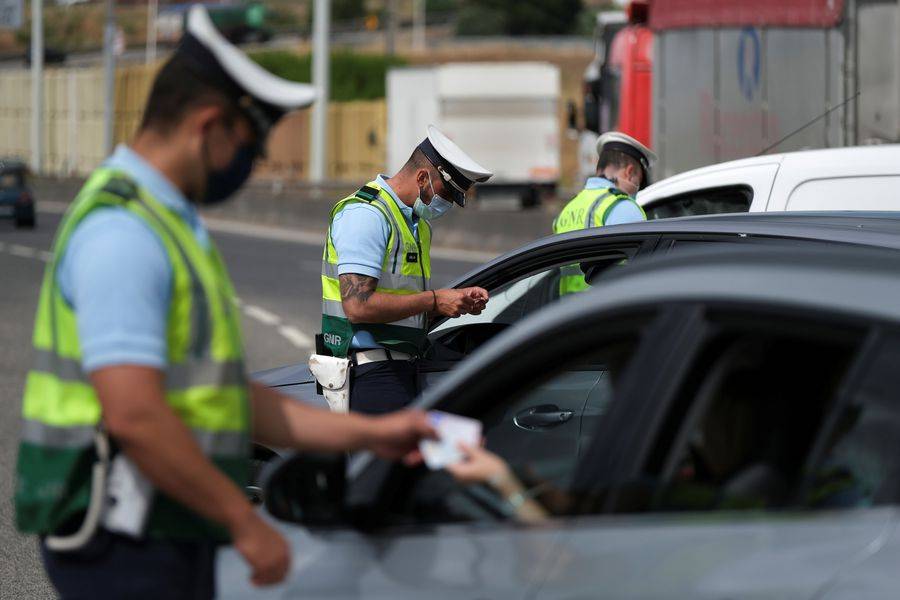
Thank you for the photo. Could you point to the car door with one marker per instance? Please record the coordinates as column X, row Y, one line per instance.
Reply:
column 425, row 533
column 716, row 500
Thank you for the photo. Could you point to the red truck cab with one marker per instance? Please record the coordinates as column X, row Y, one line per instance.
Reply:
column 631, row 69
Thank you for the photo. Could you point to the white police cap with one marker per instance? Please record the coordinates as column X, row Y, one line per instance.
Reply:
column 458, row 169
column 616, row 140
column 260, row 95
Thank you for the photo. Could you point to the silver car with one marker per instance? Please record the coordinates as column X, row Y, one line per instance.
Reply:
column 713, row 424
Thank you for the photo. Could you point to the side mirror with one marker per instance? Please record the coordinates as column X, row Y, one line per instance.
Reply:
column 307, row 488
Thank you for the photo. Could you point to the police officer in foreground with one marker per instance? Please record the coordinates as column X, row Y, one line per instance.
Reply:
column 607, row 198
column 376, row 267
column 138, row 415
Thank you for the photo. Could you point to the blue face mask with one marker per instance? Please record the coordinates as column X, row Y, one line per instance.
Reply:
column 223, row 183
column 436, row 209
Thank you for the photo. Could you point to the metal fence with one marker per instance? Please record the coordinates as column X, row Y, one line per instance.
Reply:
column 73, row 125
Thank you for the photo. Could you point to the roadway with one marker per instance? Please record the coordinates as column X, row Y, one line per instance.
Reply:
column 276, row 274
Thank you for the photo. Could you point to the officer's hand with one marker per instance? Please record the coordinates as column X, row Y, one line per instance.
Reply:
column 479, row 297
column 453, row 303
column 397, row 435
column 267, row 553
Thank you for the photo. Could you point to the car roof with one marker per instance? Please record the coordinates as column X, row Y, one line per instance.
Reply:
column 840, row 161
column 869, row 228
column 854, row 281
column 12, row 164
column 861, row 227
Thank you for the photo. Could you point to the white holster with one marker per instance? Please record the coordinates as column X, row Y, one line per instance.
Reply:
column 333, row 374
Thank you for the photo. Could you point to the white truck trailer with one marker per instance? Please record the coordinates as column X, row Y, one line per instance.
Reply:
column 506, row 115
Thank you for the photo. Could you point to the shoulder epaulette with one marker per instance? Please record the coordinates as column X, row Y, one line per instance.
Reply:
column 121, row 187
column 366, row 193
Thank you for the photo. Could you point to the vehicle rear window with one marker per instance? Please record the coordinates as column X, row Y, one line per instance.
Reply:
column 730, row 199
column 10, row 180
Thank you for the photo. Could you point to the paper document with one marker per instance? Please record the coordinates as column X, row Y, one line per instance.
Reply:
column 452, row 430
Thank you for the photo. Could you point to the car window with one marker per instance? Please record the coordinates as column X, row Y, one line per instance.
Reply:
column 846, row 193
column 540, row 424
column 859, row 462
column 730, row 199
column 453, row 339
column 10, row 181
column 741, row 427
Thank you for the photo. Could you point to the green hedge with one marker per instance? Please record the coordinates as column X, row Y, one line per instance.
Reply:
column 353, row 76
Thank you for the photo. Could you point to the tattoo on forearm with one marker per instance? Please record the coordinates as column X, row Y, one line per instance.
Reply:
column 357, row 287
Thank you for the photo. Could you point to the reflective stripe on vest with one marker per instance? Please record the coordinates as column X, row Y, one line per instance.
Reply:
column 205, row 378
column 589, row 208
column 405, row 269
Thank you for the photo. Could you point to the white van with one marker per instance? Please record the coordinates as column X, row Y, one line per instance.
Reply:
column 852, row 178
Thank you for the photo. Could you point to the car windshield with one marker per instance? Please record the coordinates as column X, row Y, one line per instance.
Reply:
column 11, row 180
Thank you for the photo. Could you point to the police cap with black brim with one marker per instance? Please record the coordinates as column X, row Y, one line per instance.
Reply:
column 259, row 95
column 458, row 170
column 627, row 145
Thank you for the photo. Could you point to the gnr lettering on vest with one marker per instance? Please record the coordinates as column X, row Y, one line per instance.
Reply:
column 333, row 338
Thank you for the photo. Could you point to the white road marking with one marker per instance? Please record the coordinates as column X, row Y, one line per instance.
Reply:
column 45, row 256
column 23, row 251
column 288, row 332
column 261, row 315
column 295, row 336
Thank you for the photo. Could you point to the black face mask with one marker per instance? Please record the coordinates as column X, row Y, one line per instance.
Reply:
column 221, row 184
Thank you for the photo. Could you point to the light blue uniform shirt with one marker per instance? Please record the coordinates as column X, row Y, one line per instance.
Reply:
column 116, row 275
column 621, row 212
column 360, row 236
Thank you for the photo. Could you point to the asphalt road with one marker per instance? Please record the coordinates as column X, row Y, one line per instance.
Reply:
column 277, row 281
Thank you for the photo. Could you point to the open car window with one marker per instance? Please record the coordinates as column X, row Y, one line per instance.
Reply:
column 453, row 339
column 538, row 420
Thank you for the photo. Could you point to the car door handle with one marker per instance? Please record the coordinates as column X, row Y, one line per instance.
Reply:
column 542, row 417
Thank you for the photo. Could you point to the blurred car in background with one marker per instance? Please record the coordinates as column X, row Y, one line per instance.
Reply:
column 52, row 56
column 16, row 200
column 721, row 423
column 854, row 178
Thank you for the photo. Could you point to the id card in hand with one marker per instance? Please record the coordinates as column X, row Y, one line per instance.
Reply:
column 452, row 430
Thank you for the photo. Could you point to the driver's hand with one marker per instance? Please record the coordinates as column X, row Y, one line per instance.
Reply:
column 479, row 465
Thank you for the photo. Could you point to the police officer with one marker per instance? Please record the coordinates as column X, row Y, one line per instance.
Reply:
column 138, row 390
column 608, row 198
column 376, row 268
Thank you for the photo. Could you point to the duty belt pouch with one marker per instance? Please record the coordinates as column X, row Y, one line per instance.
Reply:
column 129, row 496
column 333, row 374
